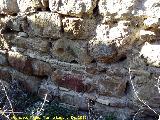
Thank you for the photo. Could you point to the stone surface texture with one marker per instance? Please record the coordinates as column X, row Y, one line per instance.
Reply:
column 72, row 7
column 100, row 52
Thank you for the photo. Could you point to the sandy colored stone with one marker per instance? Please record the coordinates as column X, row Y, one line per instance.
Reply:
column 111, row 43
column 151, row 53
column 78, row 28
column 151, row 22
column 72, row 7
column 28, row 5
column 44, row 24
column 8, row 7
column 115, row 7
column 5, row 74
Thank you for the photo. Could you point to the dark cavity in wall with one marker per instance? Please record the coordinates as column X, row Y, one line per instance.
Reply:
column 6, row 30
column 48, row 9
column 74, row 61
column 96, row 9
column 93, row 61
column 124, row 57
column 39, row 9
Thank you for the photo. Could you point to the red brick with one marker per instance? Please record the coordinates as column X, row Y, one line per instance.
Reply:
column 70, row 81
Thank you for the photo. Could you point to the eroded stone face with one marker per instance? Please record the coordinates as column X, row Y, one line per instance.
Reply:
column 111, row 42
column 70, row 81
column 37, row 43
column 115, row 7
column 111, row 86
column 3, row 59
column 146, row 87
column 20, row 62
column 151, row 22
column 72, row 7
column 69, row 51
column 8, row 7
column 102, row 51
column 122, row 8
column 29, row 5
column 30, row 83
column 5, row 75
column 147, row 8
column 78, row 28
column 147, row 35
column 44, row 24
column 151, row 53
column 41, row 68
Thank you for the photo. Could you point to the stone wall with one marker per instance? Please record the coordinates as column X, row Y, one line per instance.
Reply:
column 81, row 51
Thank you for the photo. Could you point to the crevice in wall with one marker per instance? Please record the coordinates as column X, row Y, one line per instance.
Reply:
column 74, row 61
column 122, row 58
column 96, row 9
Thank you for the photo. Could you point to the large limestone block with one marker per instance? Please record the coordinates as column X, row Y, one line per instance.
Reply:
column 102, row 51
column 8, row 7
column 149, row 8
column 72, row 7
column 29, row 5
column 44, row 24
column 78, row 28
column 71, row 51
column 151, row 53
column 111, row 43
column 121, row 8
column 115, row 7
